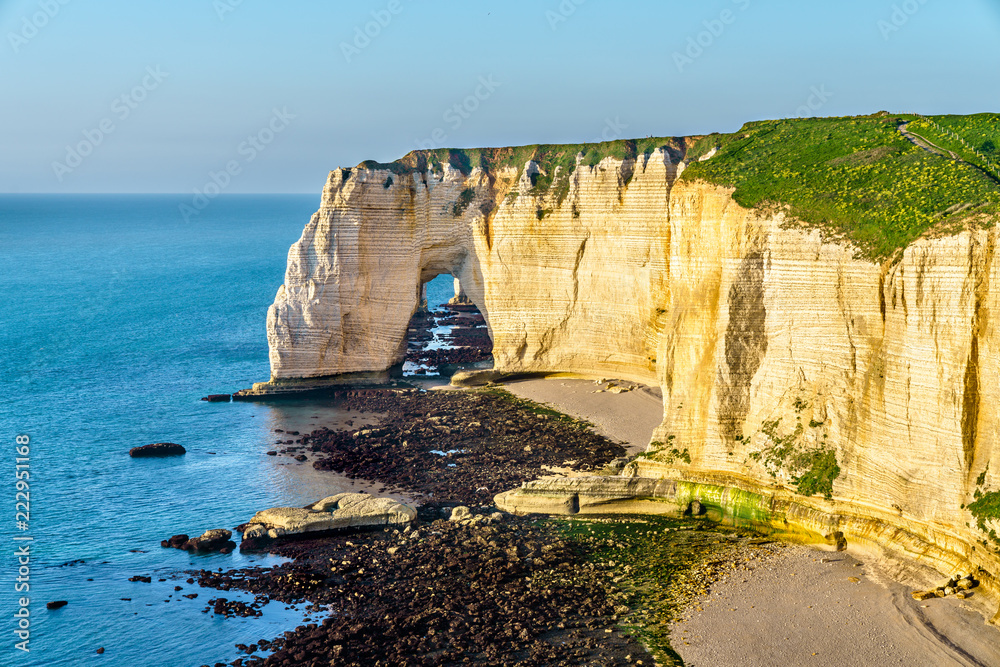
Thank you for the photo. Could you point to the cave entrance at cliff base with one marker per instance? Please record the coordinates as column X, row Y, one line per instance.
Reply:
column 447, row 332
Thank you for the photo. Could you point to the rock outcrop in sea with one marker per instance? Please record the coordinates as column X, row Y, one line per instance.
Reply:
column 805, row 387
column 156, row 450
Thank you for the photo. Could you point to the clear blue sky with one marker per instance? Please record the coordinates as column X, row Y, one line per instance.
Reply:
column 561, row 71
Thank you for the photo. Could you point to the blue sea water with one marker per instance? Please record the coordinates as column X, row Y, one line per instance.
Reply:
column 116, row 317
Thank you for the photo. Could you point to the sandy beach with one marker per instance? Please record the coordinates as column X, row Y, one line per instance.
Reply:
column 628, row 417
column 796, row 605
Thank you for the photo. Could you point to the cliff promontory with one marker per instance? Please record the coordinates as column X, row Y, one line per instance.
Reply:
column 815, row 298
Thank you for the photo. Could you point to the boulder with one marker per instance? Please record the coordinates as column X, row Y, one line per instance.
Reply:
column 460, row 513
column 216, row 539
column 967, row 583
column 157, row 449
column 838, row 539
column 343, row 511
column 175, row 542
column 476, row 378
column 216, row 535
column 56, row 604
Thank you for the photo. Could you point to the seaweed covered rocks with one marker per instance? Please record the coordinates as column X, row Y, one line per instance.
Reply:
column 460, row 446
column 491, row 592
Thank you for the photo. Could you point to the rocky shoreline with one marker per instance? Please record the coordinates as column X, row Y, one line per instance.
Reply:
column 466, row 342
column 492, row 588
column 462, row 447
column 470, row 586
column 487, row 587
column 444, row 593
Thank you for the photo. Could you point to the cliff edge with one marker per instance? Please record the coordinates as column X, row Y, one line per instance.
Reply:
column 813, row 297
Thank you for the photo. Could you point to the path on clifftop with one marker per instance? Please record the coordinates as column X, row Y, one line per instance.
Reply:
column 930, row 147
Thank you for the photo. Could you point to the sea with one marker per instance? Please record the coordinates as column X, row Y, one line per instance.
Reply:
column 116, row 316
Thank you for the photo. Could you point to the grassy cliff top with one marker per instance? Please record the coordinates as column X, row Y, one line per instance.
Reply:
column 556, row 161
column 548, row 156
column 878, row 181
column 861, row 178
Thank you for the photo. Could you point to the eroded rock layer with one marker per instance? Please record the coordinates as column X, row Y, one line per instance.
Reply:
column 786, row 361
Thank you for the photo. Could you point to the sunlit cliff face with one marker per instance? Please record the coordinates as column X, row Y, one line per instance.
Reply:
column 781, row 357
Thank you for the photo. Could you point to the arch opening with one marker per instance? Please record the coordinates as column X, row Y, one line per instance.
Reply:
column 447, row 331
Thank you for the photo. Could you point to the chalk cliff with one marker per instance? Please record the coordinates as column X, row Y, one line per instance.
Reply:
column 858, row 395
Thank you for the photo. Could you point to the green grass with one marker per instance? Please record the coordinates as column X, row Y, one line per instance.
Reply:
column 856, row 179
column 464, row 199
column 973, row 138
column 812, row 469
column 818, row 478
column 985, row 508
column 556, row 161
column 665, row 452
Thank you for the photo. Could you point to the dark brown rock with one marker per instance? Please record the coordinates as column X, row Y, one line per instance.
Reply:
column 157, row 449
column 175, row 542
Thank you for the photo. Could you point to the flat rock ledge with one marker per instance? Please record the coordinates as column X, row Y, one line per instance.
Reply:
column 278, row 388
column 157, row 449
column 340, row 512
column 595, row 495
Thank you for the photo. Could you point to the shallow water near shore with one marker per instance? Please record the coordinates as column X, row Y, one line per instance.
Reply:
column 117, row 317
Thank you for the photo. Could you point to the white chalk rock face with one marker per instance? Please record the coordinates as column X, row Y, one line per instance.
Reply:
column 353, row 280
column 773, row 348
